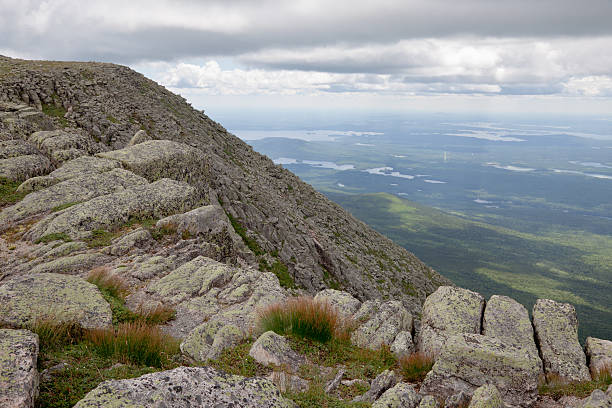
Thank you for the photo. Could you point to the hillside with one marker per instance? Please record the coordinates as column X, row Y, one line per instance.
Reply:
column 320, row 243
column 491, row 259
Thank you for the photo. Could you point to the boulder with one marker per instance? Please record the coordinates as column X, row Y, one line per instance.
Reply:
column 556, row 329
column 402, row 345
column 287, row 382
column 156, row 159
column 344, row 302
column 402, row 395
column 469, row 361
column 26, row 298
column 18, row 375
column 428, row 401
column 459, row 400
column 23, row 167
column 81, row 165
column 599, row 353
column 15, row 148
column 186, row 387
column 209, row 339
column 597, row 399
column 59, row 140
column 486, row 396
column 157, row 199
column 74, row 190
column 382, row 327
column 272, row 349
column 448, row 311
column 208, row 220
column 72, row 265
column 380, row 384
column 139, row 137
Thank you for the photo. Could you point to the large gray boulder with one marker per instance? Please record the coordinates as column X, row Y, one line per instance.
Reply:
column 469, row 361
column 186, row 387
column 597, row 399
column 74, row 190
column 380, row 384
column 272, row 349
column 599, row 353
column 26, row 298
column 157, row 199
column 508, row 320
column 156, row 159
column 21, row 168
column 344, row 303
column 486, row 396
column 18, row 375
column 448, row 311
column 556, row 329
column 16, row 148
column 385, row 322
column 208, row 340
column 402, row 395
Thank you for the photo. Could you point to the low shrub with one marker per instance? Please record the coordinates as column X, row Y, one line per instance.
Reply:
column 414, row 367
column 134, row 343
column 302, row 317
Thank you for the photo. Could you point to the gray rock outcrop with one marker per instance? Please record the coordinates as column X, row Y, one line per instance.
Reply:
column 556, row 328
column 402, row 395
column 468, row 361
column 18, row 375
column 26, row 298
column 486, row 396
column 380, row 384
column 345, row 303
column 385, row 321
column 186, row 387
column 272, row 349
column 599, row 353
column 448, row 311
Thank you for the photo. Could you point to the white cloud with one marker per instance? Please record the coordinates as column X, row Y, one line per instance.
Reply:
column 593, row 85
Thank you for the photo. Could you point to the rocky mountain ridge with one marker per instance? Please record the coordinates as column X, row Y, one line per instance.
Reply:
column 106, row 171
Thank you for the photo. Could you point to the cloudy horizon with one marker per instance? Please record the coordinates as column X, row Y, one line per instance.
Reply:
column 548, row 56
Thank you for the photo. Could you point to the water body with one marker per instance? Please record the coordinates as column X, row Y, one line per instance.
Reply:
column 388, row 171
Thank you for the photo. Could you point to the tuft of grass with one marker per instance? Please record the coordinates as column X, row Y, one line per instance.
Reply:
column 55, row 112
column 315, row 396
column 8, row 192
column 556, row 386
column 108, row 283
column 56, row 236
column 236, row 360
column 99, row 238
column 415, row 367
column 280, row 270
column 134, row 343
column 64, row 206
column 302, row 317
column 160, row 314
column 250, row 242
column 54, row 334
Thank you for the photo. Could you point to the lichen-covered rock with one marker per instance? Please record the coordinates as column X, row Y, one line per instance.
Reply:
column 345, row 303
column 459, row 400
column 210, row 219
column 157, row 199
column 18, row 375
column 81, row 165
column 186, row 387
column 26, row 298
column 209, row 339
column 60, row 140
column 138, row 238
column 70, row 191
column 383, row 326
column 447, row 311
column 272, row 349
column 402, row 345
column 508, row 320
column 486, row 396
column 380, row 384
column 287, row 382
column 139, row 137
column 556, row 329
column 468, row 361
column 402, row 395
column 599, row 353
column 597, row 399
column 156, row 159
column 15, row 148
column 73, row 265
column 147, row 267
column 21, row 168
column 428, row 401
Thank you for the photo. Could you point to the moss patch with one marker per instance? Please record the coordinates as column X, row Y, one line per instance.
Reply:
column 56, row 236
column 8, row 192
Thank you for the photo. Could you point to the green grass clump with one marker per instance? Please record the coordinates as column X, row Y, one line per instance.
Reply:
column 8, row 192
column 54, row 334
column 556, row 387
column 56, row 236
column 64, row 206
column 236, row 360
column 415, row 367
column 134, row 343
column 280, row 270
column 251, row 243
column 315, row 396
column 99, row 238
column 55, row 112
column 302, row 317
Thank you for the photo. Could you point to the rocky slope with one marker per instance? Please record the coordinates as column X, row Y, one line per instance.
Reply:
column 118, row 176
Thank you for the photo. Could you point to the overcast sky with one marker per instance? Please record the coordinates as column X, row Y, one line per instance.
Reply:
column 502, row 55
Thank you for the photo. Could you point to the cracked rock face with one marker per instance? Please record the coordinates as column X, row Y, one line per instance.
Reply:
column 186, row 387
column 26, row 298
column 18, row 375
column 468, row 361
column 556, row 328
